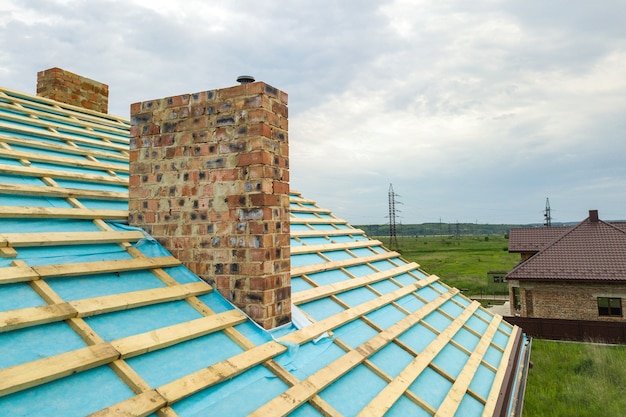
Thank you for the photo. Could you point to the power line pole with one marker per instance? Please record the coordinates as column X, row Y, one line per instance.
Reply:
column 546, row 214
column 393, row 232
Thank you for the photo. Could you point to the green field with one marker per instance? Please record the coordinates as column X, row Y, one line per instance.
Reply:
column 462, row 263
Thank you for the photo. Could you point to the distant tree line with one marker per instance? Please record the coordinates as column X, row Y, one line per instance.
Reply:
column 439, row 229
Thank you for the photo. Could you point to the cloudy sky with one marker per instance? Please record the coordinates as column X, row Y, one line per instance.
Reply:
column 475, row 111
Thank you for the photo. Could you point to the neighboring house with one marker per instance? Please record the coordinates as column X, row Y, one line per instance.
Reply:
column 298, row 312
column 573, row 273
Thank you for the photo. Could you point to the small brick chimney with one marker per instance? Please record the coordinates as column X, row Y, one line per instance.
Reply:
column 593, row 216
column 70, row 88
column 209, row 179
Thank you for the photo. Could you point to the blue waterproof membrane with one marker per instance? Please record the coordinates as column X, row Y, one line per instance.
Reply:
column 300, row 215
column 49, row 152
column 353, row 391
column 385, row 286
column 233, row 398
column 337, row 255
column 483, row 314
column 80, row 287
column 357, row 296
column 378, row 249
column 360, row 270
column 215, row 301
column 68, row 168
column 437, row 321
column 383, row 265
column 303, row 361
column 386, row 316
column 305, row 410
column 32, row 201
column 298, row 284
column 20, row 180
column 76, row 395
column 104, row 204
column 20, row 124
column 294, row 242
column 253, row 332
column 18, row 295
column 115, row 162
column 451, row 360
column 411, row 303
column 343, row 227
column 26, row 345
column 325, row 216
column 431, row 387
column 427, row 293
column 405, row 279
column 56, row 258
column 306, row 259
column 476, row 324
column 324, row 227
column 328, row 277
column 451, row 308
column 311, row 241
column 417, row 337
column 355, row 333
column 164, row 365
column 392, row 359
column 120, row 324
column 500, row 339
column 405, row 407
column 437, row 285
column 10, row 161
column 322, row 308
column 466, row 339
column 86, row 185
column 470, row 407
column 68, row 251
column 362, row 252
column 493, row 356
column 461, row 300
column 482, row 381
column 345, row 238
column 9, row 225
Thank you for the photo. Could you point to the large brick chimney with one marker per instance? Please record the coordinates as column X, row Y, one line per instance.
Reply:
column 67, row 87
column 209, row 178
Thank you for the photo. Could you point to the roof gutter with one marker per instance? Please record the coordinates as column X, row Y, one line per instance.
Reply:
column 511, row 396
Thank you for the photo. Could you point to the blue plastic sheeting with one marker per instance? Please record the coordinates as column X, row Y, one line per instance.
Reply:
column 104, row 204
column 451, row 360
column 25, row 345
column 299, row 215
column 353, row 391
column 236, row 397
column 124, row 323
column 357, row 296
column 73, row 396
column 10, row 161
column 322, row 308
column 299, row 284
column 73, row 253
column 392, row 359
column 493, row 356
column 328, row 277
column 14, row 179
column 360, row 270
column 306, row 259
column 405, row 407
column 32, row 201
column 360, row 252
column 85, row 185
column 471, row 407
column 410, row 303
column 311, row 241
column 56, row 258
column 19, row 295
column 164, row 365
column 431, row 387
column 385, row 287
column 355, row 333
column 437, row 320
column 466, row 339
column 299, row 227
column 476, row 324
column 325, row 227
column 452, row 308
column 9, row 225
column 337, row 255
column 500, row 339
column 67, row 168
column 386, row 316
column 406, row 279
column 385, row 265
column 303, row 361
column 428, row 294
column 482, row 381
column 417, row 337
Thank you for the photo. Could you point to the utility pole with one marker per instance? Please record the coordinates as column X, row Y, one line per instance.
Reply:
column 393, row 233
column 546, row 214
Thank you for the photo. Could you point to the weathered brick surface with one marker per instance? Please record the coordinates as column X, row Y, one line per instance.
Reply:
column 565, row 300
column 67, row 87
column 209, row 180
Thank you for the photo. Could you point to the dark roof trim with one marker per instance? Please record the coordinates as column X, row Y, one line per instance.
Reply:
column 506, row 392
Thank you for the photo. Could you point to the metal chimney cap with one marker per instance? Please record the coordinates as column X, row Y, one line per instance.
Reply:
column 245, row 79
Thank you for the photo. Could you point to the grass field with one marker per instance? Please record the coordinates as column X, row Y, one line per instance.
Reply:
column 462, row 263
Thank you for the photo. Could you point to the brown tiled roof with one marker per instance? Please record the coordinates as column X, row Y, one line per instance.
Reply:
column 533, row 239
column 589, row 251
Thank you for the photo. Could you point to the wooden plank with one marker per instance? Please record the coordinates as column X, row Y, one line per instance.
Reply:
column 178, row 333
column 26, row 212
column 316, row 293
column 300, row 209
column 64, row 161
column 27, row 317
column 325, row 266
column 140, row 405
column 334, row 246
column 68, row 238
column 63, row 148
column 31, row 374
column 6, row 252
column 323, row 233
column 47, row 191
column 385, row 399
column 297, row 395
column 17, row 272
column 326, row 220
column 116, row 302
column 54, row 173
column 452, row 401
column 101, row 267
column 496, row 386
column 221, row 371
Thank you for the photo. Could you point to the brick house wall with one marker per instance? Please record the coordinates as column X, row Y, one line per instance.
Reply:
column 67, row 87
column 209, row 179
column 565, row 300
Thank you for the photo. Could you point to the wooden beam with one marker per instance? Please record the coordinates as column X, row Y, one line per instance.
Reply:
column 31, row 374
column 334, row 246
column 300, row 209
column 221, row 371
column 58, row 173
column 323, row 233
column 68, row 238
column 47, row 191
column 63, row 148
column 325, row 266
column 27, row 212
column 326, row 220
column 17, row 272
column 101, row 267
column 33, row 316
column 141, row 405
column 63, row 161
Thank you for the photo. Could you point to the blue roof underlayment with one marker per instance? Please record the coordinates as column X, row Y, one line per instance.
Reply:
column 358, row 297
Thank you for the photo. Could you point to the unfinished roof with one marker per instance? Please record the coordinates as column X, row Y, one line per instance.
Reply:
column 96, row 317
column 590, row 251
